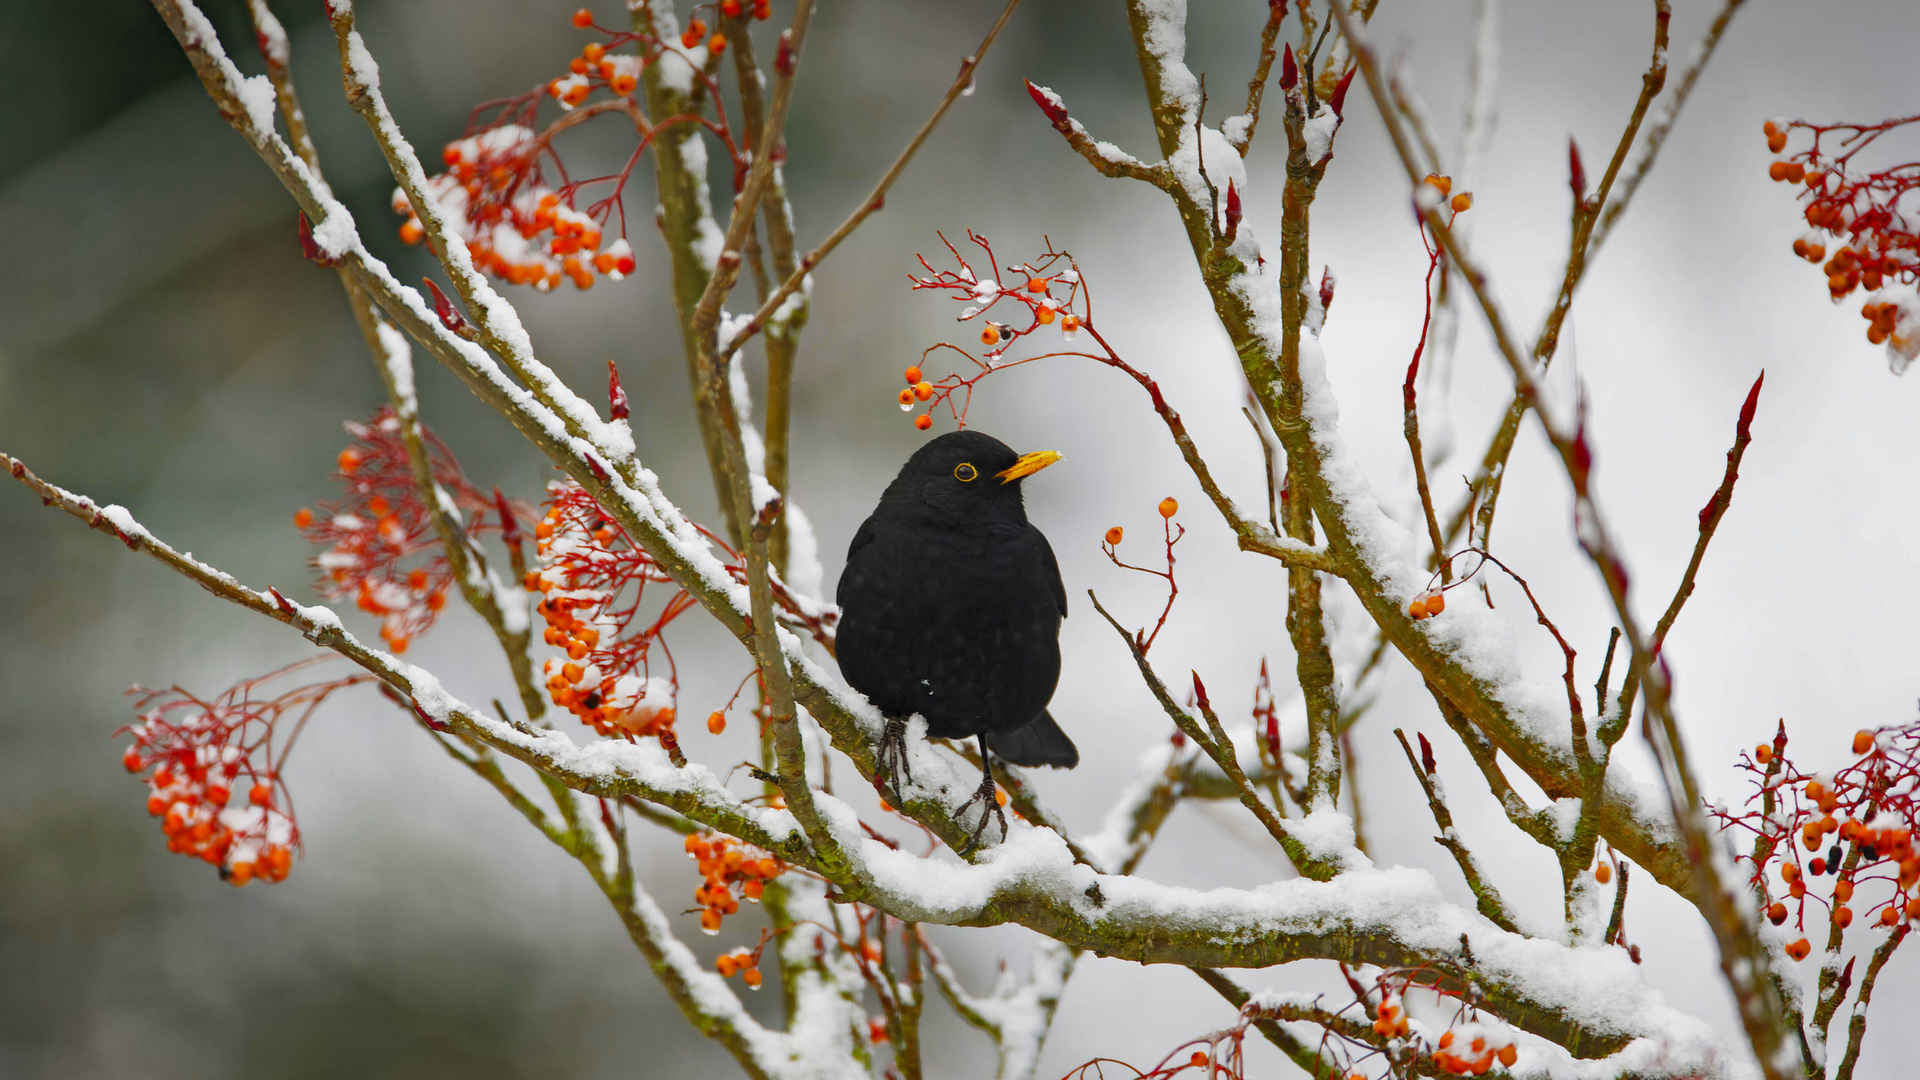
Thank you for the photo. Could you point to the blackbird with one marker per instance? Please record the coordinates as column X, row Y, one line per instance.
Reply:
column 950, row 606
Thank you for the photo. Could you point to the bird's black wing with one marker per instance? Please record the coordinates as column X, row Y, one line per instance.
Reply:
column 861, row 538
column 1050, row 567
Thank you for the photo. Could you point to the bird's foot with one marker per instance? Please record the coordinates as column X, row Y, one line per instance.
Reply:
column 988, row 796
column 891, row 761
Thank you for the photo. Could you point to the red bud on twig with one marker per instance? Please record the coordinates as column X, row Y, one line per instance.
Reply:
column 1233, row 211
column 616, row 394
column 310, row 247
column 1326, row 288
column 1289, row 69
column 1049, row 104
column 783, row 57
column 509, row 523
column 1338, row 101
column 1426, row 753
column 443, row 307
column 1576, row 172
column 1200, row 692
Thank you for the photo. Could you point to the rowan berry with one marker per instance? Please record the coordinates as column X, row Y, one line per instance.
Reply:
column 1169, row 506
column 913, row 375
column 716, row 722
column 583, row 18
column 1462, row 202
column 1862, row 741
column 302, row 518
column 923, row 421
column 1113, row 539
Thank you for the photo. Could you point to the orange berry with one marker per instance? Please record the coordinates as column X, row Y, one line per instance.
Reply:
column 1446, row 1040
column 240, row 873
column 1777, row 142
column 622, row 84
column 1777, row 171
column 1789, row 872
column 1436, row 602
column 906, row 398
column 1509, row 1054
column 710, row 921
column 1417, row 608
column 436, row 600
column 730, row 8
column 923, row 421
column 218, row 795
column 583, row 18
column 1798, row 949
column 1776, row 913
column 411, row 232
column 1169, row 506
column 1603, row 873
column 1763, row 753
column 1769, row 128
column 716, row 722
column 1069, row 323
column 717, row 43
column 349, row 460
column 1462, row 202
column 1913, row 908
column 724, row 964
column 132, row 760
column 260, row 795
column 990, row 334
column 1045, row 315
column 302, row 518
column 593, row 52
column 577, row 65
column 1843, row 916
column 752, row 978
column 923, row 391
column 912, row 374
column 156, row 805
column 1796, row 172
column 1891, row 913
column 1113, row 536
column 1862, row 741
column 1198, row 1060
column 1037, row 284
column 1440, row 183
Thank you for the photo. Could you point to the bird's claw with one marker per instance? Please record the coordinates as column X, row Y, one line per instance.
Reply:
column 892, row 758
column 988, row 796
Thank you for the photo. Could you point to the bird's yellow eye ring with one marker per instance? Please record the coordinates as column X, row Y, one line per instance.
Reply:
column 965, row 472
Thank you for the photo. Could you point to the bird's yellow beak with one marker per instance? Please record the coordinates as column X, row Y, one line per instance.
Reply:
column 1028, row 465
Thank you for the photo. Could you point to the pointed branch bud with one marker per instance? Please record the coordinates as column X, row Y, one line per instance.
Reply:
column 310, row 247
column 443, row 307
column 1289, row 69
column 1338, row 101
column 1050, row 104
column 783, row 57
column 509, row 524
column 1576, row 172
column 1426, row 753
column 1326, row 288
column 1200, row 692
column 1233, row 211
column 616, row 394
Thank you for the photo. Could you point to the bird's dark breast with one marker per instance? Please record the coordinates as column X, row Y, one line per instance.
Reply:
column 961, row 629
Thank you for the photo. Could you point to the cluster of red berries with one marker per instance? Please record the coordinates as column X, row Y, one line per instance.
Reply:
column 379, row 545
column 587, row 562
column 727, row 864
column 1427, row 604
column 1029, row 290
column 743, row 962
column 918, row 389
column 1859, row 216
column 1857, row 825
column 516, row 227
column 200, row 753
column 1390, row 1021
column 1459, row 203
column 1476, row 1057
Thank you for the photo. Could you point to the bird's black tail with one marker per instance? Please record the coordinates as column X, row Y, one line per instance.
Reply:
column 1039, row 743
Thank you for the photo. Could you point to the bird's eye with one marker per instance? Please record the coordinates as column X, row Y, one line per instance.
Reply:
column 965, row 472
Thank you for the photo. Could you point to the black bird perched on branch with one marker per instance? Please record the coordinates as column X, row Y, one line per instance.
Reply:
column 951, row 604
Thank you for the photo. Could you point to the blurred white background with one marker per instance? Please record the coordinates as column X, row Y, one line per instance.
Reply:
column 163, row 345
